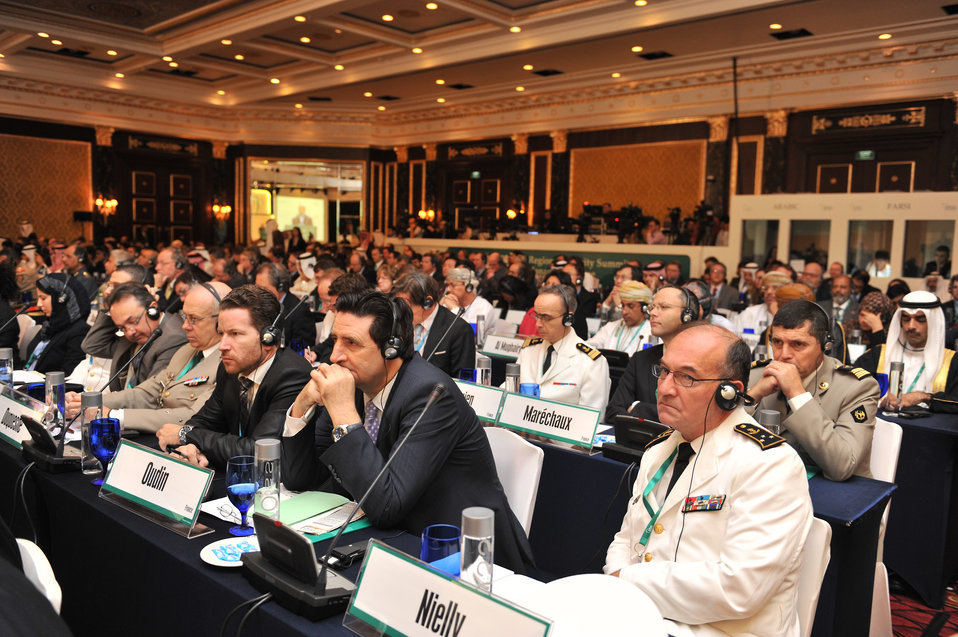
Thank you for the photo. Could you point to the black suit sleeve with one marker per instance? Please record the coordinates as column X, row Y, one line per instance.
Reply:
column 636, row 384
column 300, row 326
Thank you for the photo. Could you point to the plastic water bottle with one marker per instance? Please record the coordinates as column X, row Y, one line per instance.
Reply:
column 91, row 408
column 267, row 457
column 55, row 401
column 771, row 420
column 484, row 371
column 478, row 530
column 6, row 366
column 512, row 378
column 480, row 331
column 895, row 370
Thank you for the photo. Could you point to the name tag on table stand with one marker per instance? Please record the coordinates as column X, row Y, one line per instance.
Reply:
column 158, row 487
column 572, row 424
column 13, row 405
column 485, row 401
column 429, row 602
column 507, row 347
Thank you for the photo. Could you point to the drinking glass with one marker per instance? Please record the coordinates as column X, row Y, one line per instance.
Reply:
column 467, row 374
column 104, row 439
column 297, row 345
column 241, row 489
column 440, row 541
column 529, row 389
column 882, row 383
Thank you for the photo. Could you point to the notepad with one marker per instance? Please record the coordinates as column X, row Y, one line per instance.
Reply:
column 308, row 504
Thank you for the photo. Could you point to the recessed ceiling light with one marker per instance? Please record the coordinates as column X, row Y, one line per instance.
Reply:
column 305, row 39
column 367, row 94
column 387, row 18
column 221, row 92
column 885, row 36
column 297, row 106
column 417, row 50
column 432, row 6
column 43, row 35
column 300, row 18
column 441, row 100
column 520, row 88
column 174, row 64
column 56, row 42
column 527, row 67
column 515, row 29
column 111, row 52
column 119, row 75
column 337, row 31
column 637, row 49
column 380, row 108
column 274, row 80
column 339, row 67
column 226, row 42
column 616, row 74
column 775, row 26
column 239, row 56
column 167, row 58
column 440, row 82
column 641, row 3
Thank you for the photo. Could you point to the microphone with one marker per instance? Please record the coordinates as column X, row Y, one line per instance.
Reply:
column 157, row 333
column 459, row 314
column 26, row 308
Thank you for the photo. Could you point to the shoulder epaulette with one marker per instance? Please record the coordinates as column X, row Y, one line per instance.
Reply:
column 857, row 372
column 765, row 439
column 761, row 363
column 662, row 436
column 531, row 341
column 588, row 351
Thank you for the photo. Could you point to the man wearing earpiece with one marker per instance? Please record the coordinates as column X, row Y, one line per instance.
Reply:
column 565, row 368
column 132, row 309
column 353, row 413
column 298, row 322
column 170, row 263
column 462, row 292
column 715, row 531
column 828, row 409
column 256, row 382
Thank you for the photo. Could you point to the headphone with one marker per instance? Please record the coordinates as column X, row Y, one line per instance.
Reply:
column 727, row 396
column 427, row 301
column 62, row 298
column 829, row 342
column 270, row 335
column 216, row 296
column 179, row 260
column 470, row 286
column 687, row 314
column 567, row 317
column 393, row 344
column 152, row 312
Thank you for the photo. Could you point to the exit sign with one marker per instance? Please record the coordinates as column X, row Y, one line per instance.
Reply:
column 865, row 155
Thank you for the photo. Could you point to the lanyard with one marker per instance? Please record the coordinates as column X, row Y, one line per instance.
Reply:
column 914, row 382
column 645, row 497
column 618, row 339
column 190, row 364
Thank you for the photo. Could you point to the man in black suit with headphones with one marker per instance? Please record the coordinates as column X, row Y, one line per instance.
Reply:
column 353, row 413
column 440, row 336
column 671, row 308
column 298, row 322
column 828, row 409
column 256, row 383
column 715, row 531
column 170, row 263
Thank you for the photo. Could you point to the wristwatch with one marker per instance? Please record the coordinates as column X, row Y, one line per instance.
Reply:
column 185, row 429
column 339, row 432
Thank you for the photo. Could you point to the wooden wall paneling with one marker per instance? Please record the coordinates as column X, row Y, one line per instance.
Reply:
column 833, row 178
column 747, row 162
column 540, row 185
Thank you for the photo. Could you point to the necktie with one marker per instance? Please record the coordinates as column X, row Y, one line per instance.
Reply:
column 371, row 423
column 245, row 386
column 547, row 363
column 681, row 462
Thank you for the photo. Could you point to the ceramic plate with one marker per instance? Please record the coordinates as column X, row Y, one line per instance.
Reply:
column 228, row 552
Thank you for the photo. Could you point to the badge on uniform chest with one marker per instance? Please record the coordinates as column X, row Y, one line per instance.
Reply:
column 703, row 503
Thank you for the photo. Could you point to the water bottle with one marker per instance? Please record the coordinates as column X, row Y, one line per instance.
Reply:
column 6, row 366
column 761, row 353
column 771, row 420
column 267, row 456
column 484, row 371
column 91, row 407
column 55, row 401
column 512, row 378
column 478, row 530
column 895, row 370
column 480, row 331
column 855, row 337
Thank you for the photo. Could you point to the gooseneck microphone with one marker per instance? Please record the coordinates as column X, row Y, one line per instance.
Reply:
column 157, row 333
column 442, row 338
column 26, row 308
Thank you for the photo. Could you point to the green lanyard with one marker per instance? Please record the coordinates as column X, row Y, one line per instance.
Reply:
column 190, row 364
column 618, row 339
column 914, row 382
column 645, row 497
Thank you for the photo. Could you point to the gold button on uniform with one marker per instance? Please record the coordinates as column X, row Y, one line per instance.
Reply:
column 658, row 528
column 648, row 556
column 166, row 394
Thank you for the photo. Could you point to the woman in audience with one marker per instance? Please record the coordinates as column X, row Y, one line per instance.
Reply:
column 385, row 276
column 66, row 304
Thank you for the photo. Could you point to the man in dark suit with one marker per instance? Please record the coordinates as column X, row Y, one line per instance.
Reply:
column 723, row 296
column 587, row 302
column 170, row 263
column 133, row 310
column 439, row 335
column 298, row 323
column 445, row 466
column 358, row 265
column 256, row 383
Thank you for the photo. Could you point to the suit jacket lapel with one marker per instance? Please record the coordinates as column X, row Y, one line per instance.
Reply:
column 438, row 328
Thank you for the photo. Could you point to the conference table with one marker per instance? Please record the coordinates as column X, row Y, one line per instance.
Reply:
column 921, row 541
column 122, row 574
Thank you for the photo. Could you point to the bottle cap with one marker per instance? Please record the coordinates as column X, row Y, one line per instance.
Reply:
column 478, row 522
column 768, row 417
column 512, row 369
column 484, row 363
column 267, row 449
column 6, row 353
column 55, row 378
column 90, row 399
column 896, row 366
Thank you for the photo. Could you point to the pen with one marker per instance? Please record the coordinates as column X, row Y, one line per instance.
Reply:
column 172, row 451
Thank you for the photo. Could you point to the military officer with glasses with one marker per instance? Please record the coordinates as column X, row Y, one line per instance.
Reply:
column 178, row 392
column 565, row 368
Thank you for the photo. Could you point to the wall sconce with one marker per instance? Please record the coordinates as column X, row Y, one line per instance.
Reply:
column 427, row 214
column 222, row 213
column 106, row 207
column 511, row 214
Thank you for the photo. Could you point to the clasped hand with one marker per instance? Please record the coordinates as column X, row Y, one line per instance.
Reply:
column 778, row 376
column 333, row 387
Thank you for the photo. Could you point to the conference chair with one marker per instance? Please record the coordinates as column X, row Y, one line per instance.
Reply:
column 519, row 465
column 28, row 329
column 618, row 361
column 37, row 569
column 814, row 562
column 886, row 445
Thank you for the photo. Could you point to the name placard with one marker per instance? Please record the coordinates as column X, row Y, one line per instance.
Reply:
column 163, row 484
column 13, row 405
column 432, row 603
column 573, row 424
column 484, row 400
column 502, row 346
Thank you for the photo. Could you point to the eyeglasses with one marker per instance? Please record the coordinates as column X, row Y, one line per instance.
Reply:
column 679, row 378
column 132, row 323
column 659, row 307
column 193, row 320
column 545, row 318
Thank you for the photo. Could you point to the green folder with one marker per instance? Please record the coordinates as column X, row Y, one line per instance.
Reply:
column 308, row 504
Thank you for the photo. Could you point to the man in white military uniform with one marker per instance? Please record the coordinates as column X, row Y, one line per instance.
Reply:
column 629, row 333
column 566, row 369
column 732, row 566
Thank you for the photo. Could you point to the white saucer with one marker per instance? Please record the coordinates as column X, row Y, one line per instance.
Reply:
column 227, row 552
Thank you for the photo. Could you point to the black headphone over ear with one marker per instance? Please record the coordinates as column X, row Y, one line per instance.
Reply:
column 427, row 301
column 270, row 334
column 469, row 285
column 829, row 341
column 179, row 260
column 727, row 396
column 152, row 312
column 567, row 317
column 393, row 344
column 687, row 314
column 212, row 291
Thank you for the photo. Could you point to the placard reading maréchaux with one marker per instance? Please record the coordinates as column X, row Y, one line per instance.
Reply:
column 573, row 424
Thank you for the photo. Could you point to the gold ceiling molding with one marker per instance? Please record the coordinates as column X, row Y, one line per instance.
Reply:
column 520, row 143
column 718, row 128
column 104, row 135
column 776, row 123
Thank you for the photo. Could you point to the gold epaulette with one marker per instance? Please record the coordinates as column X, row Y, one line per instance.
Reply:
column 765, row 439
column 588, row 351
column 535, row 340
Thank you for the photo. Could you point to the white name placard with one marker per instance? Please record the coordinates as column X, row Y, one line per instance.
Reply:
column 502, row 346
column 484, row 400
column 158, row 481
column 13, row 405
column 573, row 424
column 432, row 603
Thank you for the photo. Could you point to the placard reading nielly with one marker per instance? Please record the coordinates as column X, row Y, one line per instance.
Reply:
column 573, row 424
column 484, row 400
column 431, row 603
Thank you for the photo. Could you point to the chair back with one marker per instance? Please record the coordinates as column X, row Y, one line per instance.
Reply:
column 37, row 569
column 519, row 465
column 814, row 562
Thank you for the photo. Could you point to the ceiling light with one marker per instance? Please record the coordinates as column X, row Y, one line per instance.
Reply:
column 167, row 58
column 527, row 67
column 43, row 35
column 221, row 92
column 337, row 31
column 641, row 3
column 616, row 75
column 380, row 108
column 367, row 94
column 637, row 49
column 775, row 26
column 339, row 67
column 226, row 42
column 119, row 75
column 300, row 18
column 387, row 18
column 2, row 56
column 515, row 29
column 274, row 80
column 297, row 106
column 174, row 64
column 239, row 56
column 520, row 88
column 56, row 42
column 417, row 50
column 440, row 82
column 305, row 39
column 885, row 36
column 111, row 52
column 441, row 100
column 432, row 6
